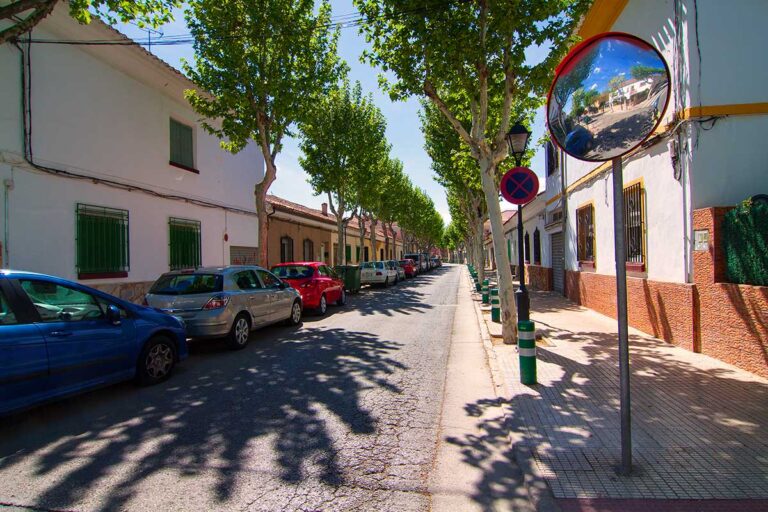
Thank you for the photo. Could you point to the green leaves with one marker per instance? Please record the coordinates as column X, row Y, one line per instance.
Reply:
column 262, row 65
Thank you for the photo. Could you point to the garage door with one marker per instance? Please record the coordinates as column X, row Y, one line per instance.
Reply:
column 558, row 261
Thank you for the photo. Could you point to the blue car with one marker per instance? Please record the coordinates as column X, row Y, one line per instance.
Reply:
column 58, row 338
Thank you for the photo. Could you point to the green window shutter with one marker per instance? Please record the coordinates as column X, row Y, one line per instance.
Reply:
column 102, row 243
column 184, row 244
column 181, row 144
column 348, row 253
column 357, row 252
column 509, row 249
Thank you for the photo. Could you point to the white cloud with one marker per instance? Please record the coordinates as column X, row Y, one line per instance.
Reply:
column 598, row 69
column 594, row 86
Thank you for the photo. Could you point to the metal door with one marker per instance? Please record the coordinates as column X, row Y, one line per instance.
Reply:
column 557, row 242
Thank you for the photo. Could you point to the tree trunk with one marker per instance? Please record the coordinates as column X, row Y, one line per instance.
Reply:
column 361, row 223
column 374, row 255
column 260, row 193
column 506, row 287
column 342, row 238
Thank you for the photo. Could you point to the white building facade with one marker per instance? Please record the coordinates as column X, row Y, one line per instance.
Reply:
column 706, row 154
column 108, row 177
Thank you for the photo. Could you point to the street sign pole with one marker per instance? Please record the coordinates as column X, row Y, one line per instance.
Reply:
column 621, row 310
column 523, row 301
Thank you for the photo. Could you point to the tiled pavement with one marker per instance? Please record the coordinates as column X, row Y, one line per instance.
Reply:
column 699, row 426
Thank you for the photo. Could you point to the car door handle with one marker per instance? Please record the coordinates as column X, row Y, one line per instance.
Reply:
column 61, row 334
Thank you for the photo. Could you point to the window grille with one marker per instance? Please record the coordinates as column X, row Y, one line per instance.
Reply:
column 102, row 241
column 585, row 232
column 184, row 244
column 536, row 247
column 634, row 223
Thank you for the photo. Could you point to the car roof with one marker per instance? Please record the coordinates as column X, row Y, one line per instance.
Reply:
column 225, row 269
column 302, row 263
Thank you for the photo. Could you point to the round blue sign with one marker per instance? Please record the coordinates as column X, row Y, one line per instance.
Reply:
column 519, row 185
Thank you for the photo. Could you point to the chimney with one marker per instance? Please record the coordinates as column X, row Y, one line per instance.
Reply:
column 325, row 209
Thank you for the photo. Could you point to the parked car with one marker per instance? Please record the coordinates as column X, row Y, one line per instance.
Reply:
column 377, row 272
column 436, row 262
column 400, row 272
column 428, row 260
column 409, row 267
column 421, row 262
column 229, row 301
column 317, row 283
column 58, row 338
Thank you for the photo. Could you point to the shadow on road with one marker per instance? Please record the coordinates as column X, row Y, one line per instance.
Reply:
column 404, row 298
column 207, row 417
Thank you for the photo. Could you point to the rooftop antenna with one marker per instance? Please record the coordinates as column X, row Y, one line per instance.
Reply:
column 149, row 31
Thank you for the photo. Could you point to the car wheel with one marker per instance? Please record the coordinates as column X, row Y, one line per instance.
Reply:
column 342, row 298
column 156, row 361
column 295, row 318
column 323, row 307
column 240, row 332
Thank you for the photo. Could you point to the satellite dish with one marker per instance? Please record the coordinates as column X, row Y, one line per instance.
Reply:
column 609, row 95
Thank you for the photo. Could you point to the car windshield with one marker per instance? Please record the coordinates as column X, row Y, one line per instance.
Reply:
column 414, row 257
column 187, row 284
column 293, row 271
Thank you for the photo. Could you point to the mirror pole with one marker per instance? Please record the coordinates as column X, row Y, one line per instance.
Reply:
column 621, row 313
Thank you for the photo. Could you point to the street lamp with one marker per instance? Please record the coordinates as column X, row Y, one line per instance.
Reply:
column 517, row 138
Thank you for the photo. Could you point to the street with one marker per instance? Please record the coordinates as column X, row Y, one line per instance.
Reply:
column 339, row 413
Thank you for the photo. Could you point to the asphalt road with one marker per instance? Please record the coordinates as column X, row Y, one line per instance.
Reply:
column 340, row 413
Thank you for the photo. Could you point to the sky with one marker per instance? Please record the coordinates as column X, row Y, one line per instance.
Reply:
column 403, row 128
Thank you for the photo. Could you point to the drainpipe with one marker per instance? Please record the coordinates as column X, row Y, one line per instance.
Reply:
column 7, row 187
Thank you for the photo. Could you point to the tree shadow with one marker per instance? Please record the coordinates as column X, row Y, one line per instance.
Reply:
column 283, row 390
column 405, row 298
column 704, row 423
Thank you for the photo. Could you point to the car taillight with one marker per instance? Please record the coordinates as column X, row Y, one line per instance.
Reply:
column 378, row 273
column 217, row 302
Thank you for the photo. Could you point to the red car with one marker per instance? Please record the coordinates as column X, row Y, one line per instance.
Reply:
column 409, row 266
column 316, row 282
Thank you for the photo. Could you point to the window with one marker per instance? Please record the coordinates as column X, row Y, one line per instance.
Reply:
column 537, row 247
column 366, row 254
column 550, row 158
column 7, row 316
column 357, row 254
column 57, row 303
column 101, row 242
column 527, row 248
column 585, row 233
column 184, row 245
column 348, row 254
column 182, row 151
column 322, row 270
column 286, row 249
column 269, row 280
column 246, row 280
column 634, row 225
column 309, row 250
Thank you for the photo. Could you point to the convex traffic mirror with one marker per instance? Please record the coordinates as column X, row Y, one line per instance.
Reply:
column 609, row 95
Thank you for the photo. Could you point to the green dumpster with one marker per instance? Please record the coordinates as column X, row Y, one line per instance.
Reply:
column 350, row 274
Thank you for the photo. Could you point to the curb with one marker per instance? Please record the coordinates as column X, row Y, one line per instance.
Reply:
column 538, row 491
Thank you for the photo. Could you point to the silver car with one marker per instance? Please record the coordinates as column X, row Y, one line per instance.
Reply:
column 225, row 301
column 400, row 270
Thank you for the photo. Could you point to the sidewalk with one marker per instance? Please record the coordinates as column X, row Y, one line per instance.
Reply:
column 699, row 426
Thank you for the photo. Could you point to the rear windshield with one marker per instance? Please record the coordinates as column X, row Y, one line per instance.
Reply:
column 373, row 264
column 405, row 262
column 413, row 257
column 187, row 284
column 293, row 271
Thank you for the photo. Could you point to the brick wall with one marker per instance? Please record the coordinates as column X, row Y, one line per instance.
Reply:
column 538, row 277
column 732, row 318
column 664, row 310
column 724, row 320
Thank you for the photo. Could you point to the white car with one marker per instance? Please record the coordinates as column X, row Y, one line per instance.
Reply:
column 377, row 272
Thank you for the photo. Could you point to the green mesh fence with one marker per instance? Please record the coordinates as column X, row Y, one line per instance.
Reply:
column 745, row 242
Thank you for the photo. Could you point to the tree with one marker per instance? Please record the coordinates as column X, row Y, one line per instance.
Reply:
column 23, row 15
column 470, row 57
column 639, row 71
column 260, row 67
column 339, row 141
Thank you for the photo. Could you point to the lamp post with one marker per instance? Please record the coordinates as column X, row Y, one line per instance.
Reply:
column 518, row 142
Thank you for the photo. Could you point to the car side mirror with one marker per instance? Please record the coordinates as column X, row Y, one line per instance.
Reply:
column 113, row 315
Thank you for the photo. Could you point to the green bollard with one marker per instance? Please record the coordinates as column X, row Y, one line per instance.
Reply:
column 477, row 285
column 526, row 347
column 485, row 292
column 495, row 309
